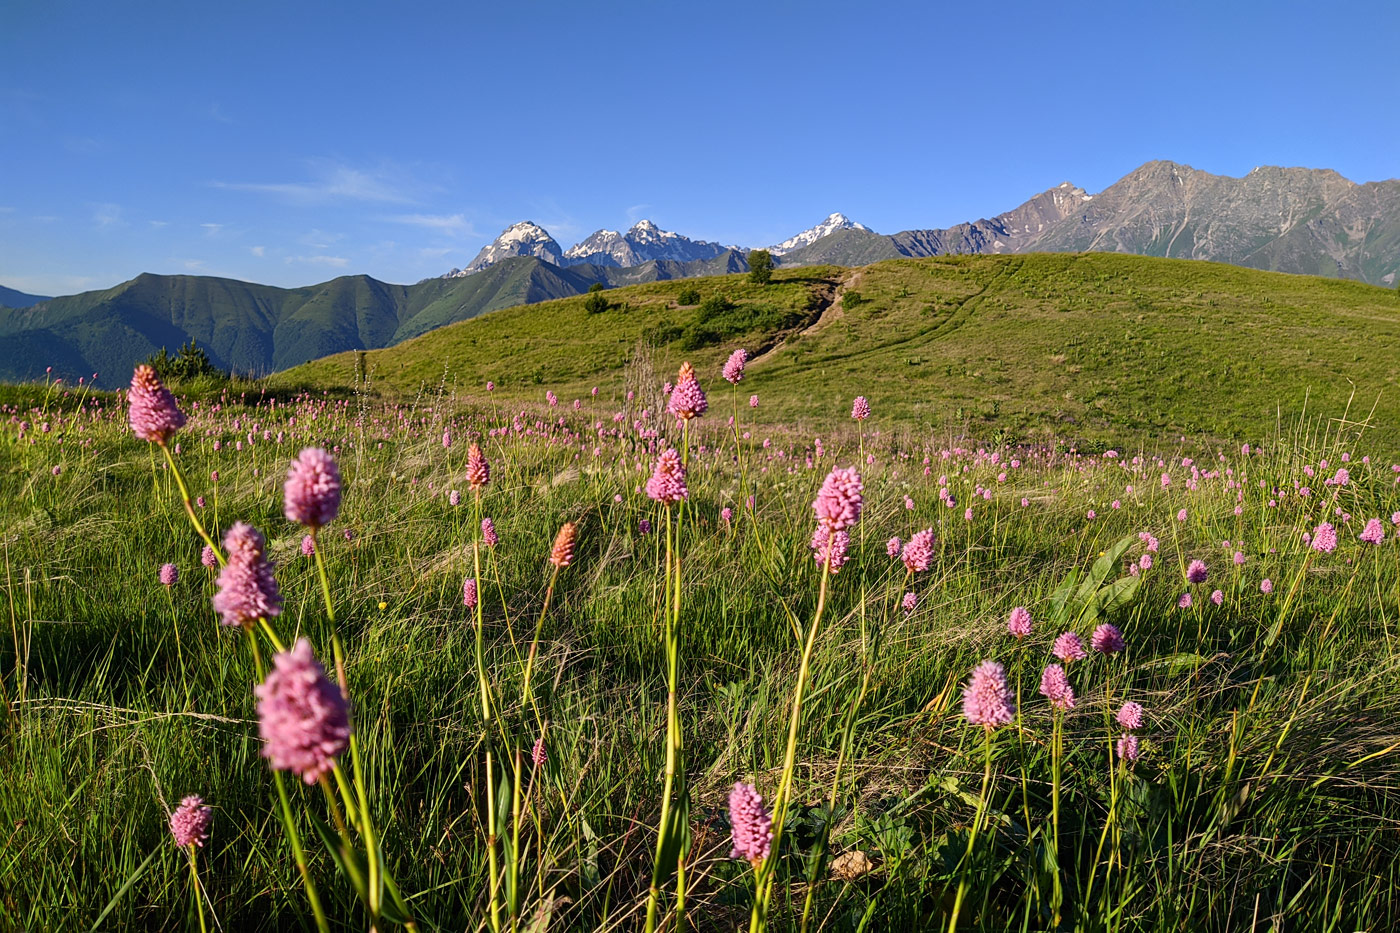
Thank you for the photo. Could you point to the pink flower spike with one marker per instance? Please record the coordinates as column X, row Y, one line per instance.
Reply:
column 1324, row 538
column 918, row 551
column 151, row 409
column 189, row 824
column 1054, row 686
column 1107, row 639
column 839, row 502
column 1128, row 749
column 667, row 483
column 734, row 366
column 1130, row 715
column 987, row 700
column 311, row 495
column 1019, row 622
column 303, row 718
column 1069, row 648
column 751, row 825
column 247, row 590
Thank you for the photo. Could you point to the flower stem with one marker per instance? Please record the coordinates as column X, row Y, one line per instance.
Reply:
column 758, row 920
column 972, row 836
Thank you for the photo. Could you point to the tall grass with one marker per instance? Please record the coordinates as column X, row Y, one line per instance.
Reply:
column 1264, row 797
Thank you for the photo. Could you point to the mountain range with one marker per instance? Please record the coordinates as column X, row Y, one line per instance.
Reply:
column 1281, row 219
column 258, row 329
column 1300, row 220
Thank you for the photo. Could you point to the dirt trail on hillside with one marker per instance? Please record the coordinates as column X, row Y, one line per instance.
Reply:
column 829, row 304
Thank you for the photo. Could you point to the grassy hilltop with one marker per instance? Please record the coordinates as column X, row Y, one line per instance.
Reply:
column 1092, row 346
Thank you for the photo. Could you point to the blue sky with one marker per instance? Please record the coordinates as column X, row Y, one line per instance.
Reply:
column 289, row 143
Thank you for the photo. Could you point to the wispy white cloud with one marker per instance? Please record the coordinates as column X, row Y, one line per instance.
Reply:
column 194, row 265
column 634, row 213
column 320, row 239
column 6, row 210
column 435, row 253
column 336, row 261
column 215, row 112
column 158, row 223
column 258, row 251
column 212, row 229
column 107, row 216
column 335, row 181
column 451, row 224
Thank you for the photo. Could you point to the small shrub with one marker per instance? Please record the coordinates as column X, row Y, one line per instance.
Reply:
column 688, row 297
column 760, row 267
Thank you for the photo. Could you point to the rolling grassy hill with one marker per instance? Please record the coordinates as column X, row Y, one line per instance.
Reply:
column 1092, row 346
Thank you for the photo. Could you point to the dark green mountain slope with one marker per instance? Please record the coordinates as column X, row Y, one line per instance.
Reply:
column 258, row 329
column 10, row 298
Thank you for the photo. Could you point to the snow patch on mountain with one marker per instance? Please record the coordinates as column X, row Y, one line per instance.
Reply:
column 832, row 224
column 643, row 243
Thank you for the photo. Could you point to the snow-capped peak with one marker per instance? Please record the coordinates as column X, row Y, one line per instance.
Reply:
column 521, row 239
column 833, row 223
column 644, row 242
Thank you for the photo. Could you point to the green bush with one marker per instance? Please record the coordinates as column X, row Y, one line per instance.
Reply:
column 760, row 267
column 688, row 297
column 191, row 362
column 595, row 303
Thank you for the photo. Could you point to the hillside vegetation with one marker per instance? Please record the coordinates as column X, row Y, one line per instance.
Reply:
column 1085, row 346
column 257, row 329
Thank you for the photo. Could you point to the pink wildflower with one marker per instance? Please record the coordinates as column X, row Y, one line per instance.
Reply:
column 247, row 590
column 189, row 824
column 1324, row 538
column 303, row 718
column 829, row 548
column 687, row 398
column 1019, row 622
column 751, row 825
column 1069, row 648
column 734, row 366
column 1107, row 639
column 987, row 700
column 667, row 482
column 151, row 409
column 1054, row 686
column 918, row 551
column 478, row 470
column 311, row 495
column 1374, row 533
column 839, row 502
column 1128, row 749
